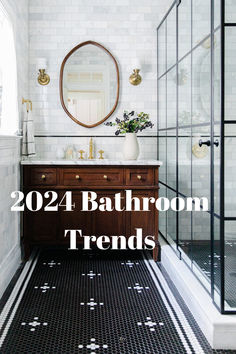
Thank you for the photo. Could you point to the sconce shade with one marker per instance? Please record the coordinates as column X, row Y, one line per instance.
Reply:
column 41, row 63
column 136, row 64
column 43, row 78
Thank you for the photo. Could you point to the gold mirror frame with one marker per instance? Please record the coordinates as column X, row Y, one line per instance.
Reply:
column 61, row 83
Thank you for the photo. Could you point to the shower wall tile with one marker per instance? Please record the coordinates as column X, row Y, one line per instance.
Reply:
column 126, row 30
column 201, row 20
column 230, row 172
column 230, row 11
column 230, row 74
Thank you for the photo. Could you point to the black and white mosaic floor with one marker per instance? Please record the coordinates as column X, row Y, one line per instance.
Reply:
column 70, row 302
column 201, row 255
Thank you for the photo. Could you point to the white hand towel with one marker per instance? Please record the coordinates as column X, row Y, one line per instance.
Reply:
column 28, row 143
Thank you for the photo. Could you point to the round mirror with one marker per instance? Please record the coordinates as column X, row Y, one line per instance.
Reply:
column 89, row 84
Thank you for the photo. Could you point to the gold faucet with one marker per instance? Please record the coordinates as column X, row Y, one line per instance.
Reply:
column 91, row 157
column 81, row 152
column 101, row 152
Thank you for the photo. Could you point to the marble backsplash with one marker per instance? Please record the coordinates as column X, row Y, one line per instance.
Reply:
column 55, row 147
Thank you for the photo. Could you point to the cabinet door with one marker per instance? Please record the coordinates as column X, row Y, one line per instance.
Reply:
column 41, row 226
column 142, row 219
column 108, row 223
column 76, row 219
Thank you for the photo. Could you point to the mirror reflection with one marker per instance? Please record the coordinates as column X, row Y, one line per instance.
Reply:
column 90, row 84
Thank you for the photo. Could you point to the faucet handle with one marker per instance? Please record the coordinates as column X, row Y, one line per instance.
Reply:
column 101, row 152
column 81, row 154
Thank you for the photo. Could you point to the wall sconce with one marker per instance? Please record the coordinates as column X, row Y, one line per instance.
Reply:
column 135, row 79
column 43, row 78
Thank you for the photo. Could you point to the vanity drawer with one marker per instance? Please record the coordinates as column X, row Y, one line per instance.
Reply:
column 139, row 176
column 92, row 177
column 43, row 176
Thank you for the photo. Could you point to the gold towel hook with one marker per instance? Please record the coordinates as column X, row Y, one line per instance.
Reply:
column 28, row 104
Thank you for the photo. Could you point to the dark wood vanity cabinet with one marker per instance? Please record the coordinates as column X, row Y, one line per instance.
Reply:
column 47, row 227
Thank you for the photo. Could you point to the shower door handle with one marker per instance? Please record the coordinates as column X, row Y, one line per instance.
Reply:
column 207, row 143
column 216, row 143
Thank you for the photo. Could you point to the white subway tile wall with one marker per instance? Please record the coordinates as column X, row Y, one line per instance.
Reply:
column 230, row 13
column 128, row 31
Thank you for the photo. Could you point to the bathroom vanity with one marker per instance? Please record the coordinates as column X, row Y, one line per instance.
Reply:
column 106, row 178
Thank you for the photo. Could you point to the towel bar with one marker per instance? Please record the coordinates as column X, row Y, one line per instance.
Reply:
column 28, row 104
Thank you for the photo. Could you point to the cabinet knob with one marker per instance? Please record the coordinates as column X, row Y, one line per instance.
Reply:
column 43, row 177
column 105, row 177
column 139, row 177
column 77, row 177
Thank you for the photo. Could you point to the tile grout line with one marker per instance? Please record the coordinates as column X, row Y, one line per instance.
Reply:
column 167, row 294
column 13, row 297
column 178, row 329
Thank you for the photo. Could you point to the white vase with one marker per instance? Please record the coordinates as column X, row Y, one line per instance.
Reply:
column 130, row 147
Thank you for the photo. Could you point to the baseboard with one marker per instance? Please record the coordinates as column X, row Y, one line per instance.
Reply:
column 8, row 267
column 219, row 329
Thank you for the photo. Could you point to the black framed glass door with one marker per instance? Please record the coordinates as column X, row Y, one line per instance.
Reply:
column 197, row 130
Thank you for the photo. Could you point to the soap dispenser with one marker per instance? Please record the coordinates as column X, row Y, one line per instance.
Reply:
column 69, row 153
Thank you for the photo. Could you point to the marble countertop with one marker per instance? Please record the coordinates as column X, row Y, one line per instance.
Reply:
column 104, row 162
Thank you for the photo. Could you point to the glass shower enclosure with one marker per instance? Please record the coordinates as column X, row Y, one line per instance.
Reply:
column 197, row 139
